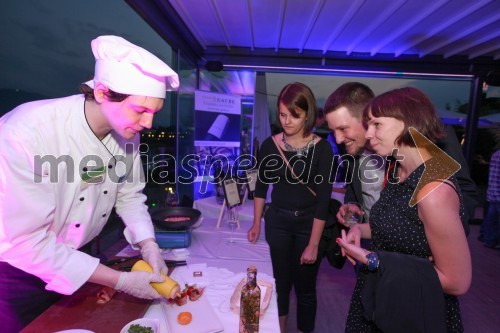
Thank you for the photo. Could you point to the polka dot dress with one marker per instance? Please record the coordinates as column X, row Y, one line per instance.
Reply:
column 395, row 226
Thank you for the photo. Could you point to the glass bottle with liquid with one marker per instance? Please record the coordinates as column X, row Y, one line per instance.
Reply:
column 250, row 303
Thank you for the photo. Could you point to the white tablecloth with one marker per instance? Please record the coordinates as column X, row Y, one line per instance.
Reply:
column 223, row 265
column 209, row 208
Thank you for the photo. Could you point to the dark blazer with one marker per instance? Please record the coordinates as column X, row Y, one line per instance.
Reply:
column 404, row 295
column 353, row 183
column 470, row 195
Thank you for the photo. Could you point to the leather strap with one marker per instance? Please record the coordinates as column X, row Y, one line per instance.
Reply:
column 290, row 168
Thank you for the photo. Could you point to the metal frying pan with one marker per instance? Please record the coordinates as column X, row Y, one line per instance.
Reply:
column 175, row 218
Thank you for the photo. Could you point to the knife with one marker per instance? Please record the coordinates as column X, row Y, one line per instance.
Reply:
column 173, row 263
column 170, row 263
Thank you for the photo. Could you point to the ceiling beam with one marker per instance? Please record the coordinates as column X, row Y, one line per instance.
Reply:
column 312, row 22
column 353, row 9
column 444, row 24
column 191, row 25
column 281, row 22
column 288, row 58
column 492, row 46
column 374, row 24
column 163, row 18
column 250, row 22
column 470, row 30
column 218, row 19
column 469, row 45
column 410, row 23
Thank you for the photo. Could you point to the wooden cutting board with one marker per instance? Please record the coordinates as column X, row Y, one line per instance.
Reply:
column 81, row 311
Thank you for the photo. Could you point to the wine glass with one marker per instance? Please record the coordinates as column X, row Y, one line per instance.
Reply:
column 232, row 221
column 172, row 199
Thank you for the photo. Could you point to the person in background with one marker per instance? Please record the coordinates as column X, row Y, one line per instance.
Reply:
column 419, row 259
column 491, row 222
column 450, row 144
column 320, row 126
column 65, row 163
column 296, row 217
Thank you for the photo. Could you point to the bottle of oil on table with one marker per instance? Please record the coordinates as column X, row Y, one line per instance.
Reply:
column 250, row 303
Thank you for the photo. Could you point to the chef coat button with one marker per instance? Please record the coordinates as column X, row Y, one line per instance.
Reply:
column 110, row 166
column 82, row 198
column 104, row 215
column 77, row 225
column 85, row 169
column 105, row 192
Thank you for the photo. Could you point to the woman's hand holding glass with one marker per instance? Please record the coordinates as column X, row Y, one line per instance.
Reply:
column 353, row 214
column 350, row 214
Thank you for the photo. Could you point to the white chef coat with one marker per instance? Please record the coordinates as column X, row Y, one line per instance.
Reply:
column 46, row 213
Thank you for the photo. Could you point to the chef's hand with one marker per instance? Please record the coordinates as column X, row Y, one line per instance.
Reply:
column 151, row 253
column 137, row 284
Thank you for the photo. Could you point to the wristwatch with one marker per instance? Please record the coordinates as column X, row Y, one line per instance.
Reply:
column 373, row 262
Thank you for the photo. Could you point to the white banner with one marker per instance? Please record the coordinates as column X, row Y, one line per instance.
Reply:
column 214, row 102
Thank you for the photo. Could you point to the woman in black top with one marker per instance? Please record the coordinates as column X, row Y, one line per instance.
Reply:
column 296, row 217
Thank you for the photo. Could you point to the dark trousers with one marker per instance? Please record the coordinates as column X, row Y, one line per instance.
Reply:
column 491, row 225
column 287, row 237
column 22, row 298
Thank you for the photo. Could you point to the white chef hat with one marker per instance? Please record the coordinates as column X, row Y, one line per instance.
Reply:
column 129, row 69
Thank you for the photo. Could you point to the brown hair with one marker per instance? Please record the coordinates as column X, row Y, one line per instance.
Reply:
column 298, row 95
column 413, row 108
column 352, row 95
column 111, row 95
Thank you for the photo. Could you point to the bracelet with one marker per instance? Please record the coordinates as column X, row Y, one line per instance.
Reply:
column 373, row 262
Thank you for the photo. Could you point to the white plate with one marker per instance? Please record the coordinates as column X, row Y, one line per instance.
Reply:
column 146, row 322
column 205, row 320
column 75, row 330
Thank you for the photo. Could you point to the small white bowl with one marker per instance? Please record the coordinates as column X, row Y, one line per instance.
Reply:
column 146, row 322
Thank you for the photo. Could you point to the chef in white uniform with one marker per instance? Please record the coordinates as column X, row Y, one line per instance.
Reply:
column 64, row 164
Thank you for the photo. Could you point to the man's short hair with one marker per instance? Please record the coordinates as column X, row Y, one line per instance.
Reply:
column 352, row 95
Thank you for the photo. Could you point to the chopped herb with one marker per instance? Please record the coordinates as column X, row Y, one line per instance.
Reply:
column 136, row 328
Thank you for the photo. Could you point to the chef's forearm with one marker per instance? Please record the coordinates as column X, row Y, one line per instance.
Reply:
column 105, row 276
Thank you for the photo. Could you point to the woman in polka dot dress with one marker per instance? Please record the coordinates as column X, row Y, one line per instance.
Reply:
column 417, row 216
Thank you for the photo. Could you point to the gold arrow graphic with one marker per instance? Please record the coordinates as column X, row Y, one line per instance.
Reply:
column 439, row 167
